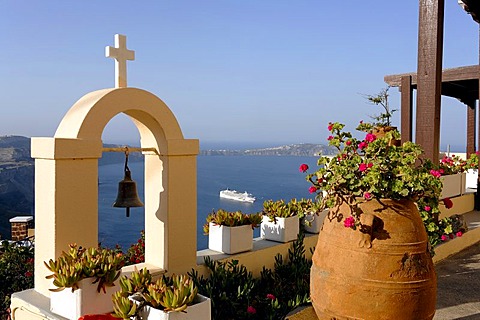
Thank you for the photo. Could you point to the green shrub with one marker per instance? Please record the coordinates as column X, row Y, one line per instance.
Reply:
column 235, row 294
column 16, row 272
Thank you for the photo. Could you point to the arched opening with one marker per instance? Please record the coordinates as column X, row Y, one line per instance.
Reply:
column 114, row 228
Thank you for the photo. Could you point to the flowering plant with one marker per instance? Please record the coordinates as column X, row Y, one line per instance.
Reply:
column 376, row 168
column 472, row 161
column 452, row 165
column 372, row 168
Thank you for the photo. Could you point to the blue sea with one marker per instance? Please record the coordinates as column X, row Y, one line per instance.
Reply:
column 266, row 177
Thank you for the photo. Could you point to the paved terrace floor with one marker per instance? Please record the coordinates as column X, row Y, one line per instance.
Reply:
column 458, row 296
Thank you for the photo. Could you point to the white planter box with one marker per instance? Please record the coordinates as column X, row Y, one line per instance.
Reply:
column 84, row 300
column 200, row 310
column 230, row 240
column 453, row 185
column 284, row 230
column 471, row 179
column 315, row 221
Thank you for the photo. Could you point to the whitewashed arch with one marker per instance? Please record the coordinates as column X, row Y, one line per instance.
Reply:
column 66, row 184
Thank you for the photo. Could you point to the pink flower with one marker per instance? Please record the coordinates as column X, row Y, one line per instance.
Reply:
column 349, row 222
column 28, row 274
column 349, row 142
column 459, row 233
column 369, row 165
column 367, row 195
column 303, row 167
column 444, row 237
column 251, row 310
column 427, row 208
column 435, row 173
column 312, row 189
column 370, row 137
column 362, row 167
column 271, row 296
column 362, row 145
column 330, row 126
column 330, row 138
column 448, row 203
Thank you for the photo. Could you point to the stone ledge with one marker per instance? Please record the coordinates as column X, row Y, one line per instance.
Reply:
column 30, row 304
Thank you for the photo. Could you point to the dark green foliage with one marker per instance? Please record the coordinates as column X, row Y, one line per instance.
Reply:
column 16, row 272
column 235, row 294
column 288, row 282
column 230, row 287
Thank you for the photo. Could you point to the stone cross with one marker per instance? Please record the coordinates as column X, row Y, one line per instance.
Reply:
column 121, row 54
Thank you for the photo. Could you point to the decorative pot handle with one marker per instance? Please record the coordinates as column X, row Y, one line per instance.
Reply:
column 366, row 230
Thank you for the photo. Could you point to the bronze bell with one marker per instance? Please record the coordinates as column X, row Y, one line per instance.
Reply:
column 127, row 196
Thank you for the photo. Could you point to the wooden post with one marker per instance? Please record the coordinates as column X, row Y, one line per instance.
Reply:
column 471, row 128
column 429, row 76
column 406, row 108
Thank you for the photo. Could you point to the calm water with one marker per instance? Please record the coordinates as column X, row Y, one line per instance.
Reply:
column 264, row 176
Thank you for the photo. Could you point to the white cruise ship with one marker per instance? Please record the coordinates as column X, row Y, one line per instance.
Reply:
column 238, row 196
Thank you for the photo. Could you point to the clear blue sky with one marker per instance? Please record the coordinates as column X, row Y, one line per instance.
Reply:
column 262, row 72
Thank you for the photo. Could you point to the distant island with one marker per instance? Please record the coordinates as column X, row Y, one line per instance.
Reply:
column 302, row 149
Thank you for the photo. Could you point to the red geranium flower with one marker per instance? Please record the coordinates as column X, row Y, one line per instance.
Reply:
column 362, row 167
column 303, row 167
column 370, row 137
column 251, row 310
column 448, row 203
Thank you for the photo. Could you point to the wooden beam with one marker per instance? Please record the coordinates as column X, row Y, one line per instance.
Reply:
column 429, row 76
column 406, row 109
column 451, row 74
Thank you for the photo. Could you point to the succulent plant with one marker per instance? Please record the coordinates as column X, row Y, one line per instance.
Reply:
column 278, row 209
column 123, row 307
column 173, row 293
column 232, row 219
column 103, row 265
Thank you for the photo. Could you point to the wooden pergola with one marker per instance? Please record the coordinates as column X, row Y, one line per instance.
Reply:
column 461, row 83
column 431, row 82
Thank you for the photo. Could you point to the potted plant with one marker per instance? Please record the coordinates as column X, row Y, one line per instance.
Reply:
column 231, row 232
column 373, row 247
column 280, row 221
column 382, row 122
column 84, row 281
column 168, row 298
column 472, row 171
column 453, row 176
column 310, row 212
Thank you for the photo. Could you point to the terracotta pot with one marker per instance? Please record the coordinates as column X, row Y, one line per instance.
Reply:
column 380, row 132
column 385, row 273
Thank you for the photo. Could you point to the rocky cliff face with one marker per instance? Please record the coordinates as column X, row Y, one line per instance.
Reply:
column 16, row 180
